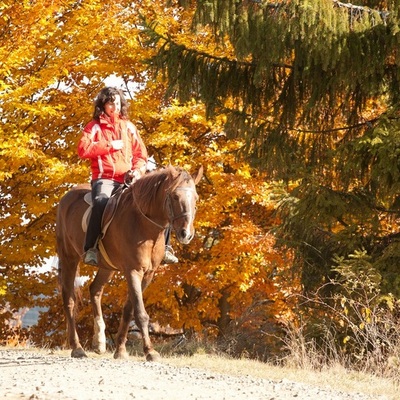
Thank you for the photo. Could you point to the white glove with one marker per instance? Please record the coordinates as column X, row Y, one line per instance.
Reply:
column 117, row 144
column 131, row 177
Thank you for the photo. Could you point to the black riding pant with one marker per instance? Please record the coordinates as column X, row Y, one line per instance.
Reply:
column 102, row 189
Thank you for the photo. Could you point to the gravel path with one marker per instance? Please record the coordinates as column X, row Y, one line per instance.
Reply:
column 32, row 375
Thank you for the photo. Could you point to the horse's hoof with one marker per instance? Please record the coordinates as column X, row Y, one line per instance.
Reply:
column 153, row 356
column 78, row 353
column 121, row 355
column 99, row 350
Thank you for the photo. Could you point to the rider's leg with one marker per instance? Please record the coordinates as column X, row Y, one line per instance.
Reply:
column 102, row 189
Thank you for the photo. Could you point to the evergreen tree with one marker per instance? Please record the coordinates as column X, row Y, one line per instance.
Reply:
column 313, row 87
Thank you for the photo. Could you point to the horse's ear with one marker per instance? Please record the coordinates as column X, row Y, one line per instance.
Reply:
column 198, row 175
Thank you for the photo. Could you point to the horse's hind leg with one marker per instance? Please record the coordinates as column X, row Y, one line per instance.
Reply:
column 67, row 271
column 96, row 291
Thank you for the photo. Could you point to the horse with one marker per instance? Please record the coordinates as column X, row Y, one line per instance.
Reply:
column 134, row 244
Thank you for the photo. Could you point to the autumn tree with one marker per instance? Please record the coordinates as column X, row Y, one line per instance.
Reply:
column 55, row 58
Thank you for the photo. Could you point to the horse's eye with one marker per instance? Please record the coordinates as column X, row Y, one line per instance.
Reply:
column 175, row 196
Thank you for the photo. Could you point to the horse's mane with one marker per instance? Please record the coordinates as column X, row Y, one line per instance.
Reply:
column 148, row 190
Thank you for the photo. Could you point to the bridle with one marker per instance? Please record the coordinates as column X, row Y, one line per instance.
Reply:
column 170, row 210
column 168, row 205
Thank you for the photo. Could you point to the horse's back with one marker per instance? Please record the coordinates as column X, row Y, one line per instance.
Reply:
column 70, row 211
column 72, row 201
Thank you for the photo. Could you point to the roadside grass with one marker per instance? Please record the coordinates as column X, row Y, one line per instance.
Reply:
column 335, row 377
column 330, row 374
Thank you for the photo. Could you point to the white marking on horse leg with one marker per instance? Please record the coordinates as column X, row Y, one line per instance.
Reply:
column 99, row 337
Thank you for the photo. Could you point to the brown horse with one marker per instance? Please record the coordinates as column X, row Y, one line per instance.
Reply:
column 134, row 243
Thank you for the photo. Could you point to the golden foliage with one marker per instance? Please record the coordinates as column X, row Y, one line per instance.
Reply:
column 55, row 56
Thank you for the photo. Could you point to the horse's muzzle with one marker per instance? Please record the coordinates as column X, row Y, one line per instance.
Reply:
column 184, row 236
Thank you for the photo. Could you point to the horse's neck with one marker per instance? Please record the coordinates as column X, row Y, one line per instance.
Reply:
column 152, row 212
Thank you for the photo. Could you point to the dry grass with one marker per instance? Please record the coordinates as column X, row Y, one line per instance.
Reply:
column 335, row 377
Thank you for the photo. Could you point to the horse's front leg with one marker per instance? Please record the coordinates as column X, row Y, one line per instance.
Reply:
column 135, row 307
column 96, row 292
column 122, row 335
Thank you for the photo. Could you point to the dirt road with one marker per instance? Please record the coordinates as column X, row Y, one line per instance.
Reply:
column 28, row 374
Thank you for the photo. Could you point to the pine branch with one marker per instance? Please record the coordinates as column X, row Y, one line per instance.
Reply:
column 206, row 56
column 353, row 9
column 368, row 123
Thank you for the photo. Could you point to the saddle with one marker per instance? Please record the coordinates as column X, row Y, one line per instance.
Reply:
column 107, row 218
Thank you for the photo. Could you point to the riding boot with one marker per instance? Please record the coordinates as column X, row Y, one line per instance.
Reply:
column 92, row 236
column 169, row 256
column 91, row 257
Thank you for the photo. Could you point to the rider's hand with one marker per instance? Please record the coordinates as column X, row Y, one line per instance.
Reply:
column 117, row 144
column 131, row 177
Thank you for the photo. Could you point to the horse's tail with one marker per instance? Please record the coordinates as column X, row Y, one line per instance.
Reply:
column 59, row 273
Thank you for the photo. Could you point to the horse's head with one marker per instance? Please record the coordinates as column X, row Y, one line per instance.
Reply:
column 181, row 205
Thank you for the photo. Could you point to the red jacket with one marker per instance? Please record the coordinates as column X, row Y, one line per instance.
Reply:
column 106, row 162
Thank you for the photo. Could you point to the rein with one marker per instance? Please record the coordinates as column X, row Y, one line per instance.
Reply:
column 144, row 215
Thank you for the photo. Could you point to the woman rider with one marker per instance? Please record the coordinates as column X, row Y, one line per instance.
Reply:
column 114, row 147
